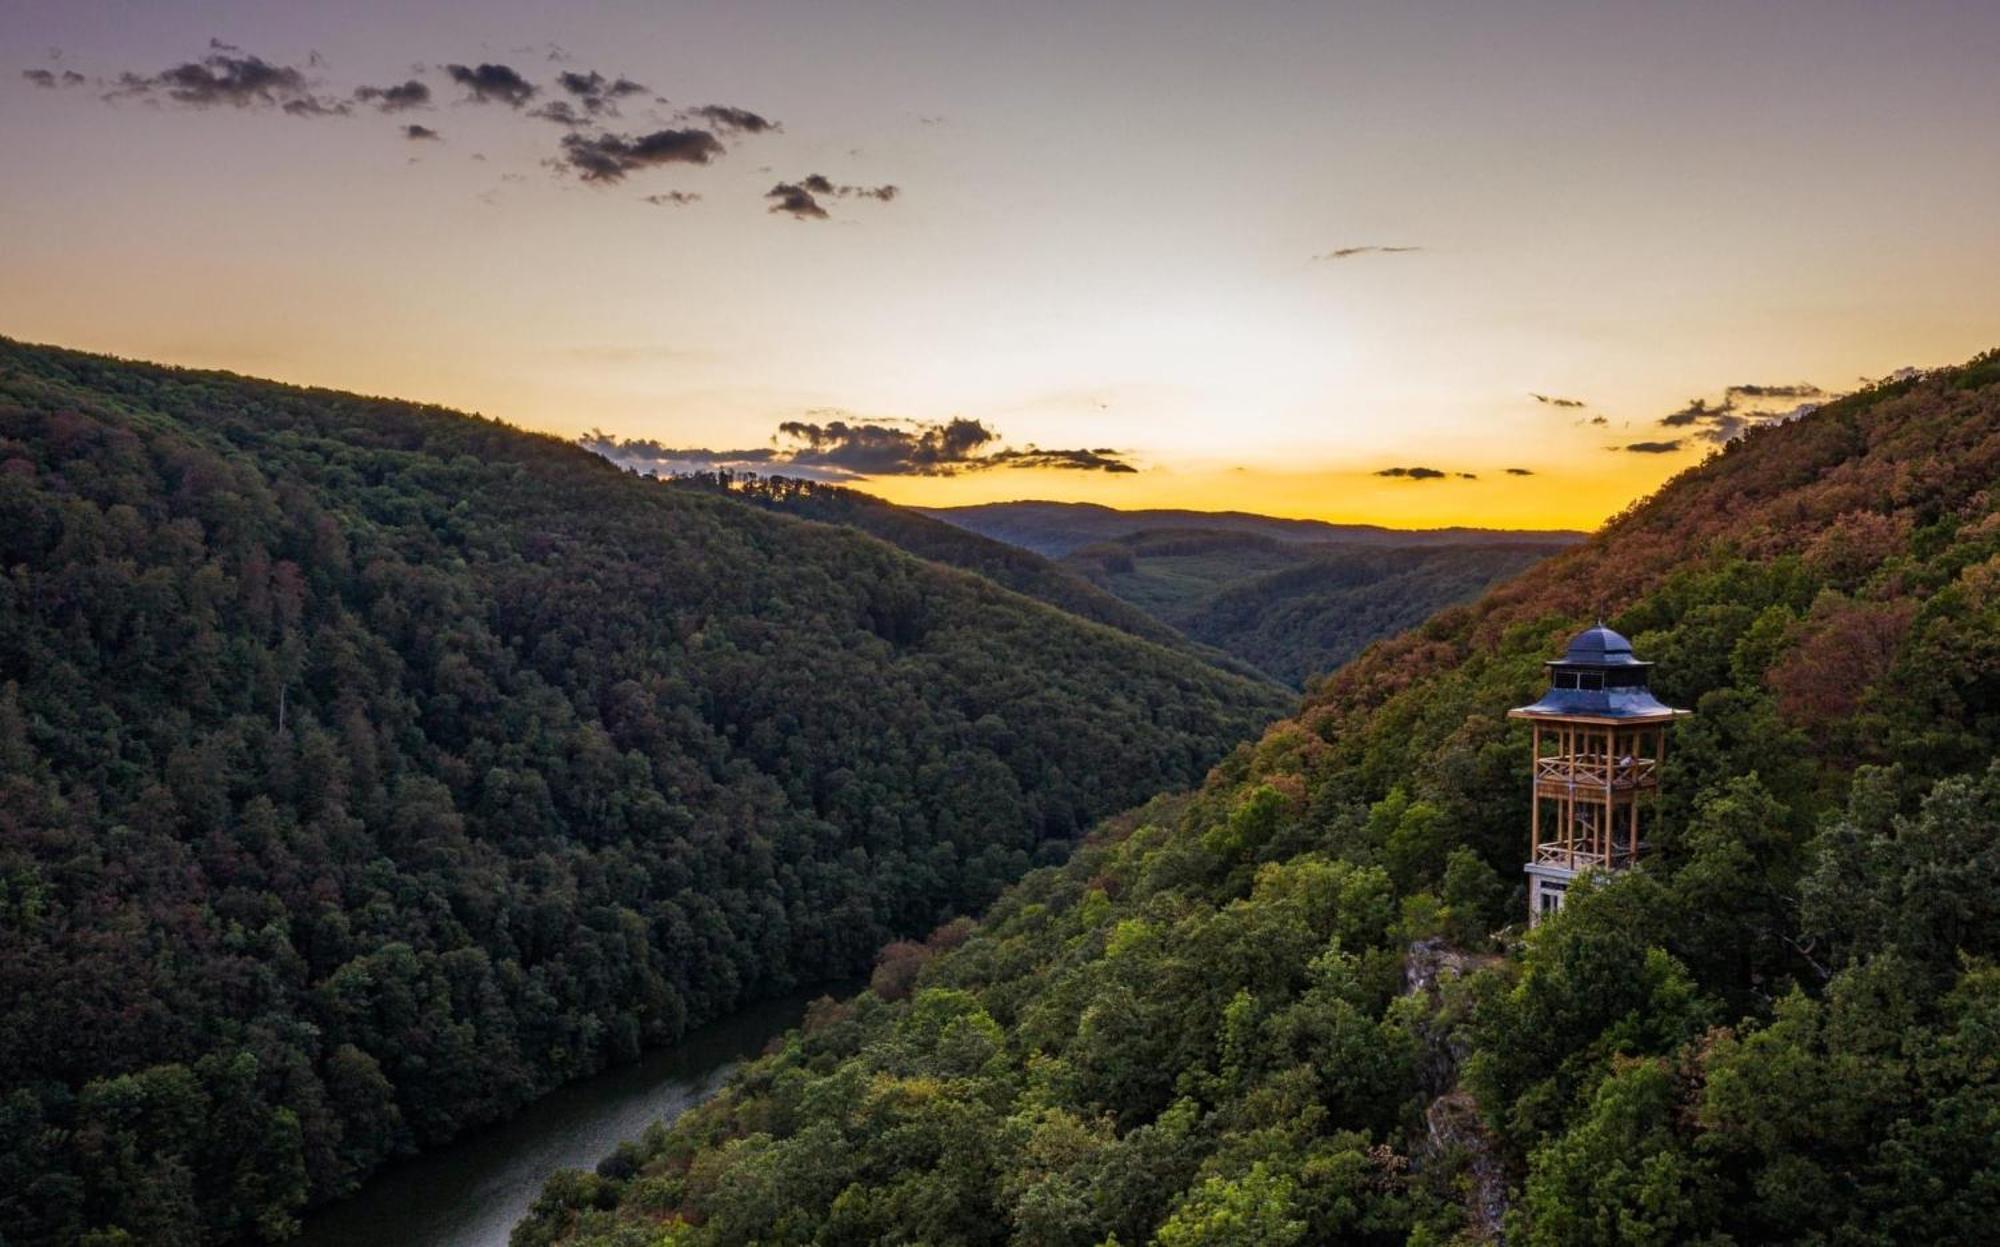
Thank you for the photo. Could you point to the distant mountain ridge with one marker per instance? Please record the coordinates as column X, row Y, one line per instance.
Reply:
column 1279, row 608
column 1294, row 609
column 909, row 529
column 1059, row 528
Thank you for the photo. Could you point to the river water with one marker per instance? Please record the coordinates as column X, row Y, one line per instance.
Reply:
column 471, row 1193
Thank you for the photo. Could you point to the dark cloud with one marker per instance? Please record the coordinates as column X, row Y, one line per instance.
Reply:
column 800, row 199
column 673, row 199
column 421, row 134
column 842, row 449
column 1468, row 476
column 1600, row 420
column 1414, row 474
column 1520, row 472
column 795, row 201
column 1729, row 426
column 490, row 83
column 1099, row 460
column 1801, row 390
column 1348, row 253
column 733, row 120
column 1697, row 411
column 1554, row 401
column 596, row 94
column 563, row 113
column 394, row 99
column 1652, row 448
column 610, row 157
column 230, row 77
column 49, row 79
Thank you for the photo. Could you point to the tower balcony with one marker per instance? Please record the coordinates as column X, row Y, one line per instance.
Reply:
column 1556, row 775
column 1589, row 853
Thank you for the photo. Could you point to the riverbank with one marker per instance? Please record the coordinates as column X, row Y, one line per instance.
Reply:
column 472, row 1193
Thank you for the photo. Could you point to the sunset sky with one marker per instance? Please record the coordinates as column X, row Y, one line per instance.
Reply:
column 1261, row 253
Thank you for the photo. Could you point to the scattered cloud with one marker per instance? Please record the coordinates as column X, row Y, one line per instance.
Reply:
column 1652, row 448
column 1414, row 474
column 1718, row 423
column 795, row 201
column 1600, row 420
column 1348, row 253
column 1803, row 389
column 606, row 158
column 597, row 94
column 800, row 199
column 1696, row 412
column 841, row 449
column 230, row 77
column 395, row 99
column 489, row 83
column 583, row 102
column 673, row 199
column 1555, row 401
column 1520, row 472
column 563, row 113
column 730, row 120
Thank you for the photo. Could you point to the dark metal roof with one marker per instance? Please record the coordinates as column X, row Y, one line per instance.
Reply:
column 1600, row 703
column 1602, row 657
column 1599, row 647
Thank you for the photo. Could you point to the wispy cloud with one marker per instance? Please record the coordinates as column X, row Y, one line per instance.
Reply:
column 1802, row 389
column 605, row 158
column 396, row 98
column 801, row 199
column 1348, row 253
column 489, row 83
column 229, row 77
column 728, row 120
column 49, row 79
column 1555, row 401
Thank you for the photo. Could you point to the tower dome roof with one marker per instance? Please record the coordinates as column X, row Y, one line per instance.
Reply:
column 1599, row 647
column 1598, row 678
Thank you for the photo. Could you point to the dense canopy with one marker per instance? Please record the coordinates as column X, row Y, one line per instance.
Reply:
column 367, row 769
column 1272, row 1012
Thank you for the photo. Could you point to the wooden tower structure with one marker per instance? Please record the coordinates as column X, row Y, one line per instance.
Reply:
column 1600, row 737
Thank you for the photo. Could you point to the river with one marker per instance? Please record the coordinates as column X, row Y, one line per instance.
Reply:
column 472, row 1192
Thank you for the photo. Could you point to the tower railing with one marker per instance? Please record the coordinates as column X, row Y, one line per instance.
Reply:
column 1598, row 771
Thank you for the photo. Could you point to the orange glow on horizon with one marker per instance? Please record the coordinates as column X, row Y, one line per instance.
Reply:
column 1573, row 499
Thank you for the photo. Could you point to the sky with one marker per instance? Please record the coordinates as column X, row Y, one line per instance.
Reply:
column 1405, row 263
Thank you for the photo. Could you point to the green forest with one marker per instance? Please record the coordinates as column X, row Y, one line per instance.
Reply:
column 1282, row 608
column 368, row 769
column 1013, row 567
column 1293, row 609
column 1296, row 1005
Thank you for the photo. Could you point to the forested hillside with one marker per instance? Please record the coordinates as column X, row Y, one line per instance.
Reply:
column 1272, row 608
column 1293, row 609
column 908, row 529
column 1271, row 1013
column 1060, row 528
column 367, row 769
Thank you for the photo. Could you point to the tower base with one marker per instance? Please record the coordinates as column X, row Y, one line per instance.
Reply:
column 1547, row 886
